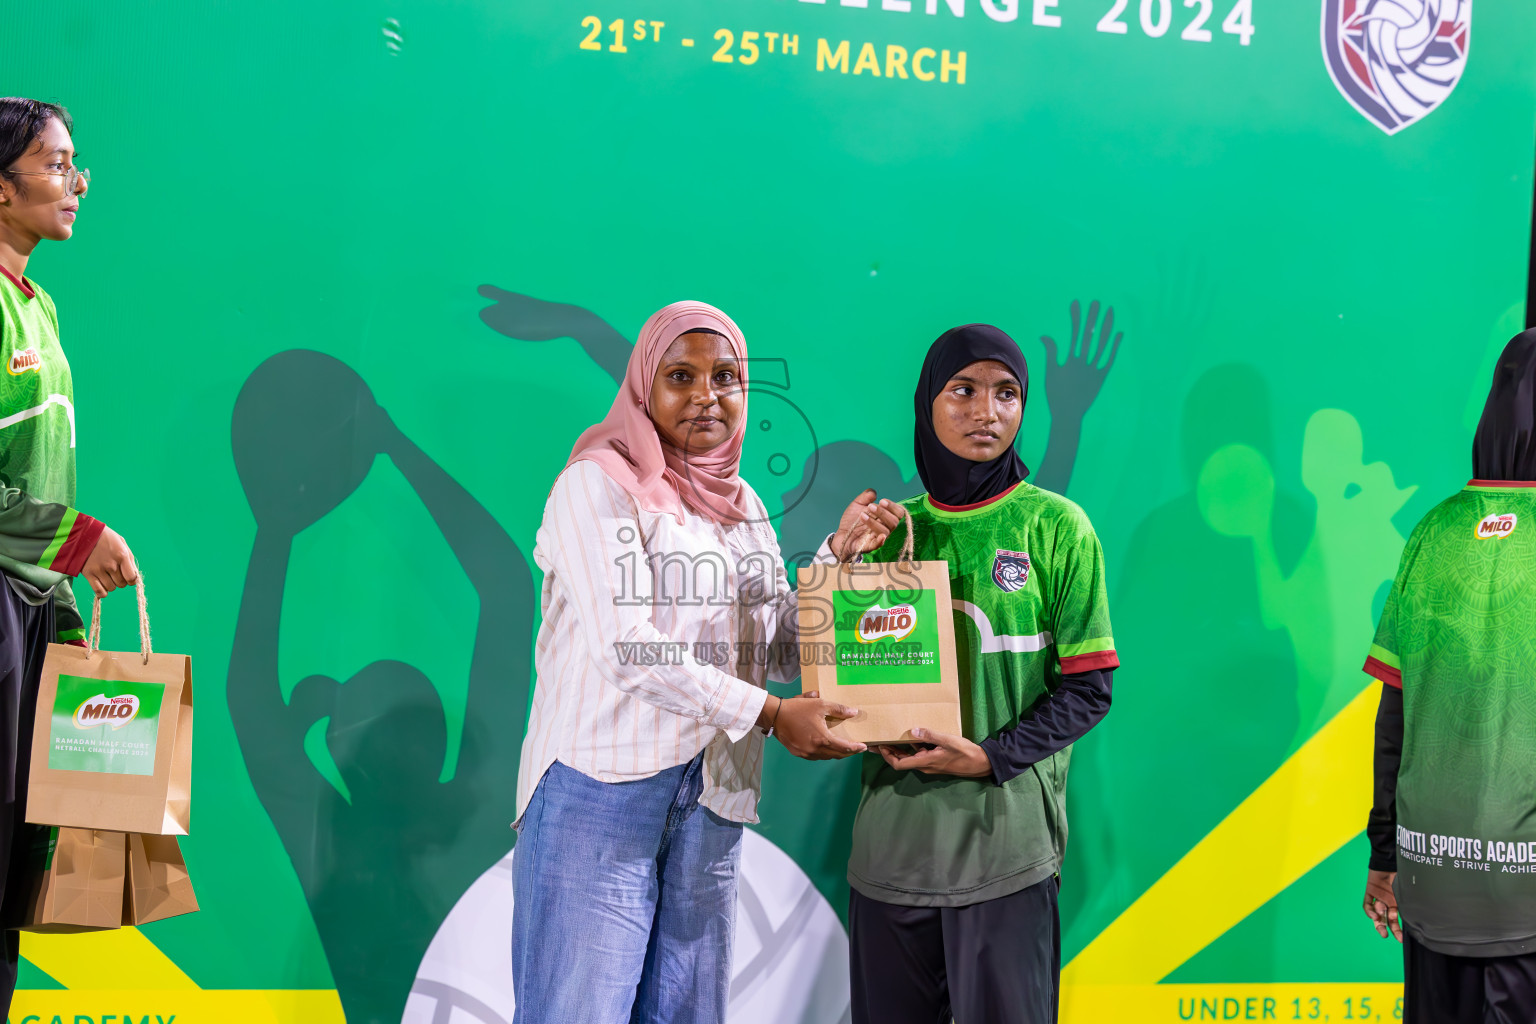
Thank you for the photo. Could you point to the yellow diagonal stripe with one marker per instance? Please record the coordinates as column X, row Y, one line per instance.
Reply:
column 121, row 958
column 1315, row 803
column 184, row 1006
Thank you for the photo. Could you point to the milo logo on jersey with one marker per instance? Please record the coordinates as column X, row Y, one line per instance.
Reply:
column 879, row 623
column 883, row 639
column 28, row 360
column 1495, row 527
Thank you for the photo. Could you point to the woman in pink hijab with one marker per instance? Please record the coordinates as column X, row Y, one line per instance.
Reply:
column 666, row 607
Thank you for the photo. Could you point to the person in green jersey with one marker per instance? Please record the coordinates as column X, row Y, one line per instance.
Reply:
column 44, row 541
column 957, row 843
column 1453, row 826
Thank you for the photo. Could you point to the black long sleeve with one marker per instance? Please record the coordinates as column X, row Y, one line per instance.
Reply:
column 1060, row 720
column 1381, row 827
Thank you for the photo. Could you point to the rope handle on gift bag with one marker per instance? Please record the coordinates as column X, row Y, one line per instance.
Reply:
column 904, row 558
column 93, row 641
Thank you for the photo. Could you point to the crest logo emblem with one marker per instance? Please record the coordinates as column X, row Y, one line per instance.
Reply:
column 1396, row 60
column 1010, row 570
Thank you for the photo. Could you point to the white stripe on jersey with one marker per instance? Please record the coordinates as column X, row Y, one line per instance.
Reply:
column 38, row 410
column 991, row 643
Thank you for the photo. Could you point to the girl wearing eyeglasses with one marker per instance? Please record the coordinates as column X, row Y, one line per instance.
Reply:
column 44, row 542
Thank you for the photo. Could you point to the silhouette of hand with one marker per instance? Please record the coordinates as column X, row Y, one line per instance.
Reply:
column 529, row 319
column 1071, row 385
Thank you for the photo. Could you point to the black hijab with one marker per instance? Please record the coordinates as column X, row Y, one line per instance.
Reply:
column 1504, row 447
column 949, row 478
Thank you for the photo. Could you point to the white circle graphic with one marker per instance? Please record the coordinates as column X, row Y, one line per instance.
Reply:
column 789, row 964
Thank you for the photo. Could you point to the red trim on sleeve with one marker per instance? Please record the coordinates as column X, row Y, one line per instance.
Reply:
column 1098, row 661
column 76, row 643
column 78, row 545
column 1386, row 673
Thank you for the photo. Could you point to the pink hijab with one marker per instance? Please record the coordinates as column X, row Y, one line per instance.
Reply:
column 627, row 447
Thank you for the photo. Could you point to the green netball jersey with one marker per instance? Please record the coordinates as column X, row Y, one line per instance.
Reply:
column 1458, row 635
column 1027, row 581
column 43, row 540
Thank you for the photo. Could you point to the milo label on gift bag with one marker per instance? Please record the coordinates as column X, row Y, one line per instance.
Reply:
column 881, row 639
column 100, row 726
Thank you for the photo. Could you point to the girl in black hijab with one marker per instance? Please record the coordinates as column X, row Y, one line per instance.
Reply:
column 1462, row 963
column 951, row 478
column 1504, row 447
column 956, row 844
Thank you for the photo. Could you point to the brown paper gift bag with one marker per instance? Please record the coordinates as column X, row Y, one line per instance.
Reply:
column 112, row 744
column 76, row 880
column 158, row 885
column 880, row 637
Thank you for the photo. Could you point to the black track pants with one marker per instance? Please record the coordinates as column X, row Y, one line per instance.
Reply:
column 25, row 631
column 1444, row 989
column 997, row 962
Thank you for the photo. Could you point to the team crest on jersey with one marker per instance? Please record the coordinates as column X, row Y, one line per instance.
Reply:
column 28, row 360
column 1396, row 60
column 1497, row 527
column 1010, row 570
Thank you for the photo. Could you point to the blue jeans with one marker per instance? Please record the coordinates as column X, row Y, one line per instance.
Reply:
column 624, row 901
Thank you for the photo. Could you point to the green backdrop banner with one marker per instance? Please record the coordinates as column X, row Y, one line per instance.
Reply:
column 353, row 276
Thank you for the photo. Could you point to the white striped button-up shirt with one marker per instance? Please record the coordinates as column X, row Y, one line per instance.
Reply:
column 631, row 601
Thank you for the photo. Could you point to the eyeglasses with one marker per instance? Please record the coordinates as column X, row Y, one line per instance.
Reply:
column 72, row 177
